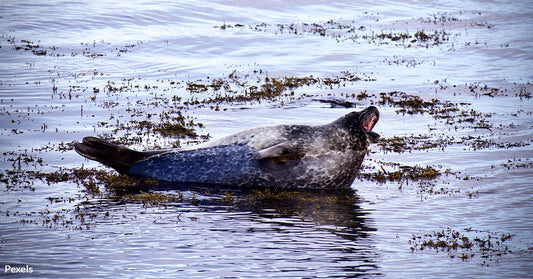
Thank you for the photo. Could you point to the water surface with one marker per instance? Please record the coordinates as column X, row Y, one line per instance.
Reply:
column 117, row 70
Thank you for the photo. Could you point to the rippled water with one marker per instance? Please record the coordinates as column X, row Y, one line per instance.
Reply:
column 73, row 69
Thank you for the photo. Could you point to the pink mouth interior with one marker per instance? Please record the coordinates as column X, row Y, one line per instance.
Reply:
column 369, row 123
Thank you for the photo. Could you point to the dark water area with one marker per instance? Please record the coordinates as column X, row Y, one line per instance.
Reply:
column 446, row 193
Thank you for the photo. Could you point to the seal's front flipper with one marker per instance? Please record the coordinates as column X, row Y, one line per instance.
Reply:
column 281, row 152
column 116, row 156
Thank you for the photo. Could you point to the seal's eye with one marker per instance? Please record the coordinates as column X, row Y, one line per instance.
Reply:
column 369, row 122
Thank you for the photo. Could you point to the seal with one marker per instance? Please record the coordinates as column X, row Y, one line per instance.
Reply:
column 283, row 156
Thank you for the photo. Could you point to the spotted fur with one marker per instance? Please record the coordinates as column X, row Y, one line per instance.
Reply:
column 284, row 156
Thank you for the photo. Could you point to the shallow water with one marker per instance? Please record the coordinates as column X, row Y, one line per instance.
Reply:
column 74, row 69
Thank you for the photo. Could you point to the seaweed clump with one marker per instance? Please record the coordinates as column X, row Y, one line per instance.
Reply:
column 465, row 244
column 405, row 173
column 239, row 88
column 153, row 198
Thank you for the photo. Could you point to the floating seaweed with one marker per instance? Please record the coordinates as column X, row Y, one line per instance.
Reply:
column 467, row 244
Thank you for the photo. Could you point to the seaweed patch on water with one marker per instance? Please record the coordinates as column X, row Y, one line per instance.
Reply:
column 258, row 86
column 272, row 194
column 88, row 49
column 431, row 31
column 401, row 144
column 424, row 180
column 96, row 185
column 352, row 31
column 162, row 111
column 90, row 179
column 517, row 163
column 485, row 247
column 403, row 174
column 412, row 104
column 152, row 198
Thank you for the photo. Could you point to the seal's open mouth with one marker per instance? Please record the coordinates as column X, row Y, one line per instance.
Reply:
column 369, row 122
column 371, row 117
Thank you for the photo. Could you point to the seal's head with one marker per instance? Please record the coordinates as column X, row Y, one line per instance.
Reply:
column 359, row 125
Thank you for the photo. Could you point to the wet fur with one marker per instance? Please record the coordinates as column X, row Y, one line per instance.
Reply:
column 285, row 156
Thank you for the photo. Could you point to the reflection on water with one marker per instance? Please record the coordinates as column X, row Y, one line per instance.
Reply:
column 451, row 81
column 288, row 233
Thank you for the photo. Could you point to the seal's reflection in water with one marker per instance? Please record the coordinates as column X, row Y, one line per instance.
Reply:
column 337, row 212
column 326, row 207
column 300, row 230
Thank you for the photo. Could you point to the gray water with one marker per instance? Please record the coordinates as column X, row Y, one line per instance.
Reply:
column 73, row 69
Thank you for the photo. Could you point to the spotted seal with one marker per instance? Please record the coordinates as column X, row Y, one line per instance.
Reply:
column 284, row 156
